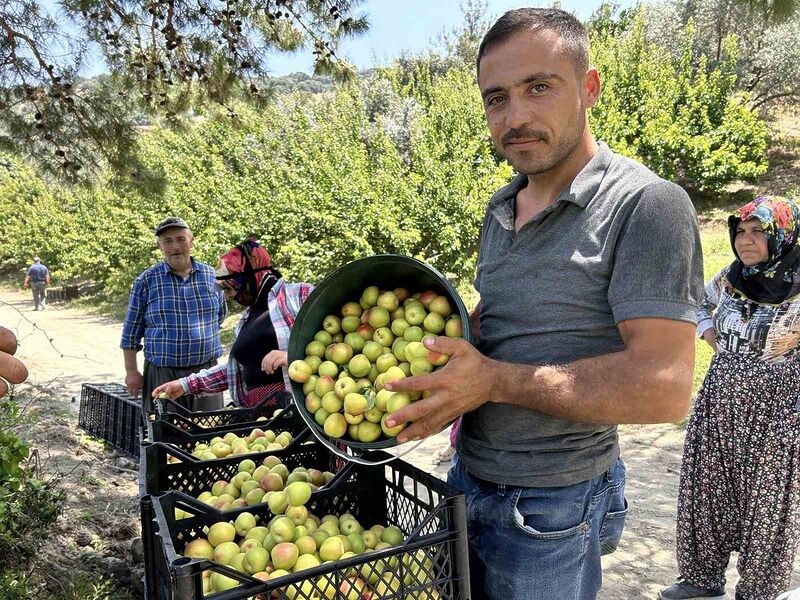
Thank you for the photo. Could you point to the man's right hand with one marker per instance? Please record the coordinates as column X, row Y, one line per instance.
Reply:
column 173, row 390
column 134, row 382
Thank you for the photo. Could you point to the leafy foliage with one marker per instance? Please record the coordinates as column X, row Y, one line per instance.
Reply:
column 25, row 517
column 765, row 36
column 681, row 117
column 399, row 161
column 14, row 585
column 28, row 506
column 301, row 82
column 168, row 57
column 85, row 588
column 322, row 181
column 12, row 451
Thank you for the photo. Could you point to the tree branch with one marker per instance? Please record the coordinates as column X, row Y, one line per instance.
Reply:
column 770, row 98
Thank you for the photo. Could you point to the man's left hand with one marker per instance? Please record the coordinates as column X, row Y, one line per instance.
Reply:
column 462, row 385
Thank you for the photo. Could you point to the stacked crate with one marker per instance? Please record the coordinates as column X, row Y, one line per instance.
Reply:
column 108, row 412
column 432, row 561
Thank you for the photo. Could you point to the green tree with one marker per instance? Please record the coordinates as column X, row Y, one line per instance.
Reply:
column 165, row 57
column 681, row 117
column 400, row 162
column 456, row 169
column 766, row 34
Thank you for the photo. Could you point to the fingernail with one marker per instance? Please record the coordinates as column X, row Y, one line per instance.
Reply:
column 388, row 386
column 402, row 440
column 390, row 423
column 428, row 342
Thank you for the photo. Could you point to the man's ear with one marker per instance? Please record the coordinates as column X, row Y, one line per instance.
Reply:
column 591, row 87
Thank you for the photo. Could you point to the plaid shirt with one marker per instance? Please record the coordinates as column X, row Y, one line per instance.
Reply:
column 178, row 318
column 284, row 301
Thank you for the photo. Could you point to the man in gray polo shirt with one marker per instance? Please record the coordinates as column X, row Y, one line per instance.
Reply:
column 590, row 273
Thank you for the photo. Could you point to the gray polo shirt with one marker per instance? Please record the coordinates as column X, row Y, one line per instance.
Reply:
column 618, row 243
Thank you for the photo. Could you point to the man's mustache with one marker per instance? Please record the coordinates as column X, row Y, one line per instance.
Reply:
column 513, row 135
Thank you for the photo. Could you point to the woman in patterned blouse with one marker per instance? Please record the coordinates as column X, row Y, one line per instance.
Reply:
column 740, row 477
column 256, row 367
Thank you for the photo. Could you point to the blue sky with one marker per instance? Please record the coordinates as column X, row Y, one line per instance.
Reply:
column 396, row 26
column 411, row 26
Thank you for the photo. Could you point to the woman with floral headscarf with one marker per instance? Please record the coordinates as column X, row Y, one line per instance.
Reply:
column 256, row 367
column 740, row 478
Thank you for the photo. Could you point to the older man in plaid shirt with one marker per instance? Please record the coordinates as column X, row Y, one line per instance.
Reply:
column 177, row 308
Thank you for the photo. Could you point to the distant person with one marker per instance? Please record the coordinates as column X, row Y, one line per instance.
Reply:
column 12, row 370
column 256, row 369
column 38, row 278
column 740, row 477
column 177, row 308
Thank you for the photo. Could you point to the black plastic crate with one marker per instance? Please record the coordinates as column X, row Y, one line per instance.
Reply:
column 158, row 474
column 185, row 435
column 107, row 411
column 170, row 411
column 55, row 295
column 192, row 477
column 149, row 545
column 431, row 514
column 166, row 462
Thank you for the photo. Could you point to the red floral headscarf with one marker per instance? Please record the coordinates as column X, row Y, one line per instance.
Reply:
column 243, row 268
column 772, row 281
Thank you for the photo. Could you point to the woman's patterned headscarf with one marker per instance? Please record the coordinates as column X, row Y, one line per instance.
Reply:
column 771, row 281
column 243, row 268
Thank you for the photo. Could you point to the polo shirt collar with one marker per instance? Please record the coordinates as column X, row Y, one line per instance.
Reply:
column 580, row 191
column 585, row 185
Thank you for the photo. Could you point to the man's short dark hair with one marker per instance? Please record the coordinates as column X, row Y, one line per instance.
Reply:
column 574, row 37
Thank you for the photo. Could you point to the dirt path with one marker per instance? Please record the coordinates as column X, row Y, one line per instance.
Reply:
column 643, row 563
column 63, row 347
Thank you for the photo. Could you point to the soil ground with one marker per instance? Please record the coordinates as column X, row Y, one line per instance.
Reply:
column 64, row 347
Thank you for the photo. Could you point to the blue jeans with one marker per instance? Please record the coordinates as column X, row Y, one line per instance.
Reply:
column 541, row 543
